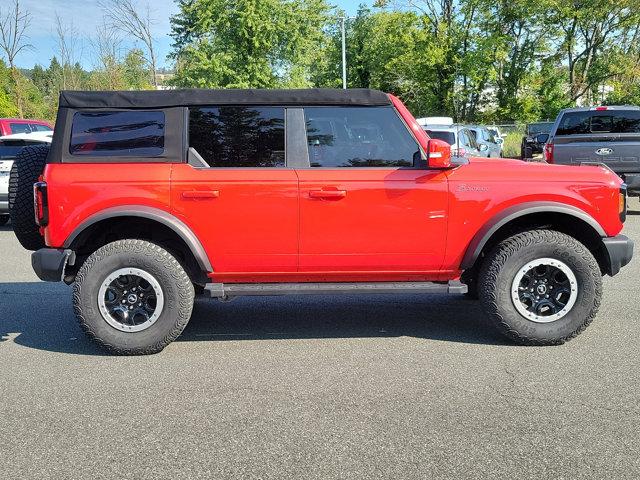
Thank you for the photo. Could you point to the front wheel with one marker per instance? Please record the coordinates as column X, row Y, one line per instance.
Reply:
column 132, row 297
column 540, row 287
column 4, row 219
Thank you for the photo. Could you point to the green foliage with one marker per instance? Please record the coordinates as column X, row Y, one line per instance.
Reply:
column 512, row 144
column 492, row 61
column 245, row 43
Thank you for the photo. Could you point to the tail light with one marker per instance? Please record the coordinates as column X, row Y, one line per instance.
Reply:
column 41, row 203
column 548, row 152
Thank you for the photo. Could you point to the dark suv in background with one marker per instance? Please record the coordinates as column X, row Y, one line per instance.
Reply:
column 530, row 144
column 608, row 135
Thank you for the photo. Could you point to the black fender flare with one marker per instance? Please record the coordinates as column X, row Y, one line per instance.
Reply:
column 151, row 213
column 507, row 215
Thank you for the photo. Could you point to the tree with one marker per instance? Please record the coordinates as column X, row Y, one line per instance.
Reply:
column 241, row 44
column 590, row 30
column 135, row 71
column 13, row 40
column 124, row 16
column 8, row 107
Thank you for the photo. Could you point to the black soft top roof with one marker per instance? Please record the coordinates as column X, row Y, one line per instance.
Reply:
column 194, row 97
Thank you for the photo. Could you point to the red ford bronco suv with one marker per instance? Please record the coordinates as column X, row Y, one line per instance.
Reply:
column 146, row 198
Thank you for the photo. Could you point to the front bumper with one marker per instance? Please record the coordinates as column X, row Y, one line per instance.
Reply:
column 619, row 252
column 50, row 263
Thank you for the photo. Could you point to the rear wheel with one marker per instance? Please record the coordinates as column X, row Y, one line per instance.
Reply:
column 540, row 287
column 27, row 168
column 4, row 219
column 133, row 297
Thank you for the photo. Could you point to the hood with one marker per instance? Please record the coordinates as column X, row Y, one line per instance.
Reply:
column 508, row 169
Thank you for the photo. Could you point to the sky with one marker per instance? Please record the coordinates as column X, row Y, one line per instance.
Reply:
column 84, row 17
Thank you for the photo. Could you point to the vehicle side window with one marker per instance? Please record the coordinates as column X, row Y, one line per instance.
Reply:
column 118, row 133
column 463, row 140
column 40, row 128
column 449, row 137
column 20, row 128
column 238, row 136
column 488, row 136
column 471, row 139
column 358, row 137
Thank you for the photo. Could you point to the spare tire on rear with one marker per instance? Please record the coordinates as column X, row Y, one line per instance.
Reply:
column 27, row 168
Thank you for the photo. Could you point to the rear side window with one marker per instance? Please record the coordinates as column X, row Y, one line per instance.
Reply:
column 358, row 137
column 238, row 136
column 20, row 128
column 605, row 121
column 36, row 127
column 136, row 133
column 448, row 137
column 469, row 139
column 488, row 136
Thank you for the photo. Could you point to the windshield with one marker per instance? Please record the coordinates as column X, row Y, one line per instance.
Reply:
column 448, row 137
column 542, row 127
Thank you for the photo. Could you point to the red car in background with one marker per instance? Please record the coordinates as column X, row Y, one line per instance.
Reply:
column 11, row 126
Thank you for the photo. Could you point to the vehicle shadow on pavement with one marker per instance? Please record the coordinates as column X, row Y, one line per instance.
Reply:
column 441, row 317
column 24, row 321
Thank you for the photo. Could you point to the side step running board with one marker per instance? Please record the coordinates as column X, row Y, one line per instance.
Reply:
column 227, row 290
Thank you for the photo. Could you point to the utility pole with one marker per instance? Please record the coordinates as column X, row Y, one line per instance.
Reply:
column 344, row 52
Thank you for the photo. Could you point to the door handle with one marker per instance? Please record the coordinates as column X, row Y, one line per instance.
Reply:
column 328, row 194
column 200, row 194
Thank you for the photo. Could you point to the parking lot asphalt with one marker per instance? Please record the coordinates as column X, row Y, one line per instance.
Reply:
column 317, row 387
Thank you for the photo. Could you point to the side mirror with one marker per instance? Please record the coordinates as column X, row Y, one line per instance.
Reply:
column 484, row 147
column 439, row 154
column 542, row 138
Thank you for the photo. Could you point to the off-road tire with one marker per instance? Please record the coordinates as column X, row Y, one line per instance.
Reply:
column 176, row 287
column 27, row 168
column 4, row 219
column 505, row 260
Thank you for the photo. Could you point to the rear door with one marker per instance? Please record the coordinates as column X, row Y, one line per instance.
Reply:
column 365, row 203
column 243, row 203
column 608, row 136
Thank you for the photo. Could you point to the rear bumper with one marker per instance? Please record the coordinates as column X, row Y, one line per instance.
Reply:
column 633, row 183
column 50, row 263
column 619, row 252
column 4, row 203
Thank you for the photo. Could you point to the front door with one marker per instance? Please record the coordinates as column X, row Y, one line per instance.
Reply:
column 364, row 207
column 243, row 203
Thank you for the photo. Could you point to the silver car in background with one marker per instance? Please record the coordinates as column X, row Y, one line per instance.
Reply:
column 461, row 139
column 487, row 142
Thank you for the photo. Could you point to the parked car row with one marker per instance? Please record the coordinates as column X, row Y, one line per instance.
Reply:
column 465, row 140
column 14, row 135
